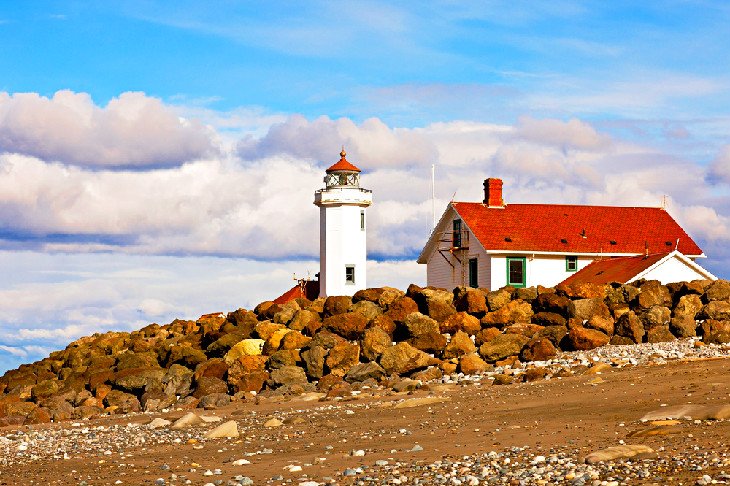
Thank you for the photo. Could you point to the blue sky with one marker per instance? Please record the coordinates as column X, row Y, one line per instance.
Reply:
column 152, row 147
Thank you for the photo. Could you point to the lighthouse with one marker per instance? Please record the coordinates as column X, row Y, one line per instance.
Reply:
column 342, row 229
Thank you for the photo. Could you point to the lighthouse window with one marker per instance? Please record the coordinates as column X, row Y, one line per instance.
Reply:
column 362, row 220
column 350, row 274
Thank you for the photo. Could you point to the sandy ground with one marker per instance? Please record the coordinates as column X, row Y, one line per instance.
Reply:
column 573, row 414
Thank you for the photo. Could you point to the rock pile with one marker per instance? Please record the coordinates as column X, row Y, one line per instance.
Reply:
column 329, row 344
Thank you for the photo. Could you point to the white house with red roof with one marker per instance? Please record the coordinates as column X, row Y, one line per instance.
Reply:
column 342, row 230
column 492, row 244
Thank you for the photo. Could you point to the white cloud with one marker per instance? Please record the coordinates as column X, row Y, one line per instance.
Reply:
column 132, row 130
column 720, row 167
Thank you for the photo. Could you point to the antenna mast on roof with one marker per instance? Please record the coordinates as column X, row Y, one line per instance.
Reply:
column 433, row 195
column 664, row 202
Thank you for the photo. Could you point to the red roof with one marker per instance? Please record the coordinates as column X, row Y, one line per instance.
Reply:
column 311, row 292
column 575, row 229
column 617, row 269
column 343, row 165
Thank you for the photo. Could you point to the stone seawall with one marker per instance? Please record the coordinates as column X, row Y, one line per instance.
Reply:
column 378, row 336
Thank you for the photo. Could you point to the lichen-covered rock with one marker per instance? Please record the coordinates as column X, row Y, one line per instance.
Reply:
column 314, row 361
column 246, row 347
column 502, row 346
column 209, row 384
column 368, row 309
column 549, row 319
column 294, row 340
column 430, row 342
column 688, row 306
column 656, row 315
column 587, row 308
column 137, row 379
column 283, row 357
column 555, row 334
column 438, row 304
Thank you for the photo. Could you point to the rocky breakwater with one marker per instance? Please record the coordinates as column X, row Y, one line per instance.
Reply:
column 331, row 345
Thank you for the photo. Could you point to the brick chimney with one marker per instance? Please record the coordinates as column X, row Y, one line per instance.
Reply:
column 493, row 193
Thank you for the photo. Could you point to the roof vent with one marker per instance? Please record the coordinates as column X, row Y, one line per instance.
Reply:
column 668, row 243
column 613, row 242
column 508, row 239
column 563, row 240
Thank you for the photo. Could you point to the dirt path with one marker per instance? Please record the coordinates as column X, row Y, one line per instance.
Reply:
column 575, row 415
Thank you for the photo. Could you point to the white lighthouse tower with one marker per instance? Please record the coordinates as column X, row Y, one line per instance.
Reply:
column 342, row 229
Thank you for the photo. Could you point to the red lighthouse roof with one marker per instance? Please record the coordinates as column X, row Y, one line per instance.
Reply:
column 343, row 165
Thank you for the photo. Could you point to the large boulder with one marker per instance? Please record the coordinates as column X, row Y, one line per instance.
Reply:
column 368, row 309
column 582, row 338
column 305, row 321
column 470, row 364
column 461, row 321
column 209, row 384
column 659, row 334
column 656, row 315
column 653, row 293
column 288, row 375
column 583, row 290
column 538, row 349
column 120, row 402
column 365, row 371
column 629, row 326
column 349, row 325
column 400, row 308
column 718, row 290
column 716, row 309
column 185, row 355
column 600, row 323
column 436, row 303
column 314, row 361
column 430, row 342
column 404, row 358
column 502, row 346
column 244, row 320
column 471, row 301
column 178, row 380
column 587, row 308
column 337, row 304
column 459, row 345
column 374, row 341
column 683, row 327
column 281, row 358
column 246, row 347
column 513, row 312
column 552, row 302
column 688, row 306
column 342, row 357
column 496, row 299
column 418, row 324
column 136, row 379
column 715, row 331
column 294, row 340
column 549, row 319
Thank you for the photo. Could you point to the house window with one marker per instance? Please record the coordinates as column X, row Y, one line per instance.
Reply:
column 457, row 234
column 516, row 271
column 473, row 276
column 362, row 220
column 571, row 263
column 350, row 274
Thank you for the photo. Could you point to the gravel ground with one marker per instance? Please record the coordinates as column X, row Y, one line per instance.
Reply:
column 460, row 431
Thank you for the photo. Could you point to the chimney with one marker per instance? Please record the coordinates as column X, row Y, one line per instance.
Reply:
column 493, row 193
